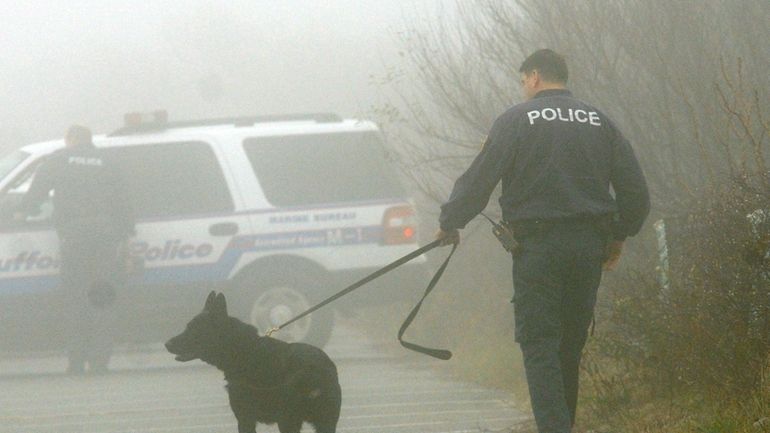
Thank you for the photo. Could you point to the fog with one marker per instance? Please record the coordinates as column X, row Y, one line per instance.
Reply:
column 685, row 81
column 89, row 62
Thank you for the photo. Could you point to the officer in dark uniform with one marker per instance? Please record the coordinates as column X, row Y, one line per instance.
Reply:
column 93, row 220
column 557, row 158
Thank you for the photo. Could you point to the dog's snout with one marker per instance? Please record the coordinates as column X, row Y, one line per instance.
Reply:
column 170, row 344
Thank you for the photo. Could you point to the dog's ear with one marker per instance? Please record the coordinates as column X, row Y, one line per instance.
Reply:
column 219, row 306
column 209, row 301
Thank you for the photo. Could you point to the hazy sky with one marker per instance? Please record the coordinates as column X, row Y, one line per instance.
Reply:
column 90, row 61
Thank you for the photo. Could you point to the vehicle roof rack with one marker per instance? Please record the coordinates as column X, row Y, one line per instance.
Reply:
column 234, row 121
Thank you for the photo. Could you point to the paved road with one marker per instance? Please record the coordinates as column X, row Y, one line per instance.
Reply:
column 383, row 391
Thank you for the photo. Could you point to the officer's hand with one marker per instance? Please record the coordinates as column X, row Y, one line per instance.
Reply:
column 614, row 250
column 451, row 237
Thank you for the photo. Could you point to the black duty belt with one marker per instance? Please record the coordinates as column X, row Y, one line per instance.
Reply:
column 525, row 225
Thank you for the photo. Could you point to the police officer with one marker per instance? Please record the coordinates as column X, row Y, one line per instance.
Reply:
column 93, row 220
column 557, row 158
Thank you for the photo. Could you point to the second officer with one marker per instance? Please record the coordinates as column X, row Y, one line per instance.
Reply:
column 93, row 219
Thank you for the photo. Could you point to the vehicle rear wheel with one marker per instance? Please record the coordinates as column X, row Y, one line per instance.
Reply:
column 275, row 304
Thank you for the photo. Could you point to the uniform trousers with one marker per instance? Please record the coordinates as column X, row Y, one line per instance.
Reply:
column 556, row 275
column 89, row 273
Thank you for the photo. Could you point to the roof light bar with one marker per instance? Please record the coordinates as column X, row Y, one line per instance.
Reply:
column 137, row 119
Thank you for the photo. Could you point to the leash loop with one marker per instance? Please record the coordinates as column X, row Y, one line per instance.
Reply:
column 436, row 353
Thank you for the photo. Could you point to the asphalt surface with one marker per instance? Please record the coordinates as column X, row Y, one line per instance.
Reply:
column 384, row 390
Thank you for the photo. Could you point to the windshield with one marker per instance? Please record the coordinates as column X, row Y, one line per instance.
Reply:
column 11, row 161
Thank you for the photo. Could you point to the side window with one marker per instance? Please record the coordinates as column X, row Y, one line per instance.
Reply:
column 172, row 179
column 301, row 170
column 13, row 193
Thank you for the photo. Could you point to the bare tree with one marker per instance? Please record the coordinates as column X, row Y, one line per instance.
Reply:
column 654, row 67
column 687, row 82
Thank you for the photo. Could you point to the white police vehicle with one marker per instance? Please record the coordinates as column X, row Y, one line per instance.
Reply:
column 277, row 211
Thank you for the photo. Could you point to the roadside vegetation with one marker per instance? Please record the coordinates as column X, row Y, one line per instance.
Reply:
column 682, row 341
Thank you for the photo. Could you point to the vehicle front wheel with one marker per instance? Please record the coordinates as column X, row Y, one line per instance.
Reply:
column 277, row 303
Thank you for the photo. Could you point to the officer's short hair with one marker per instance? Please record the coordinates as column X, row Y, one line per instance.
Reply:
column 78, row 135
column 550, row 64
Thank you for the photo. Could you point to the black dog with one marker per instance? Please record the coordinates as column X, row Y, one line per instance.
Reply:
column 268, row 380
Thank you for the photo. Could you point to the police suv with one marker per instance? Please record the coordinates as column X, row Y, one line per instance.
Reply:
column 277, row 211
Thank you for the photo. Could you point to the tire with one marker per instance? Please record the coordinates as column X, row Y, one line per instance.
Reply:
column 277, row 301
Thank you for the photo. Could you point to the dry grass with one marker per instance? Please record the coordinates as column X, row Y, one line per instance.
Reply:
column 490, row 358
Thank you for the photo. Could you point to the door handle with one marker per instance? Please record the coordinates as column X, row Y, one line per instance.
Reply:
column 223, row 229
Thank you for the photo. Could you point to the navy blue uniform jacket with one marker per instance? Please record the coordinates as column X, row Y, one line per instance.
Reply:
column 557, row 158
column 87, row 188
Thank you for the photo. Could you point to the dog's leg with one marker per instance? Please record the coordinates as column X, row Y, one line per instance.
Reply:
column 327, row 409
column 247, row 426
column 329, row 415
column 244, row 413
column 290, row 425
column 325, row 427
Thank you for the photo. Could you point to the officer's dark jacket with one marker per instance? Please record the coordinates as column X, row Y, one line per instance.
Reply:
column 87, row 190
column 557, row 157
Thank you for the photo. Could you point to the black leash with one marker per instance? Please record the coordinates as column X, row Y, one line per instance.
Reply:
column 436, row 353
